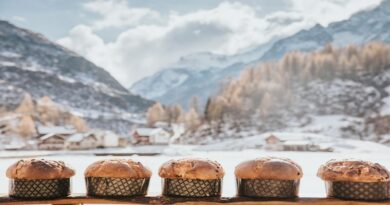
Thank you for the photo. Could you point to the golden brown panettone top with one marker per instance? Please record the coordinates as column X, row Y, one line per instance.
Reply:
column 120, row 168
column 191, row 168
column 272, row 168
column 39, row 169
column 353, row 171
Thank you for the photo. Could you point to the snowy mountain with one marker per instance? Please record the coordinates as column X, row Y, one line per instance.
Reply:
column 201, row 74
column 30, row 63
column 364, row 26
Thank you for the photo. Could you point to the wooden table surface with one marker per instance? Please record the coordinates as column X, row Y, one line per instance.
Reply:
column 82, row 199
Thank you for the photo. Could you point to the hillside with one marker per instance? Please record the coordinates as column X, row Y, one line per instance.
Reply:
column 191, row 75
column 30, row 63
column 338, row 92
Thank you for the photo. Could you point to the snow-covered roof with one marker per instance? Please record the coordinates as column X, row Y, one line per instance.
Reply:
column 47, row 136
column 76, row 137
column 297, row 142
column 9, row 117
column 148, row 131
column 55, row 130
column 286, row 136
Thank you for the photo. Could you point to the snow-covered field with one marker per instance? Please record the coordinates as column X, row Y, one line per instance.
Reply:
column 311, row 185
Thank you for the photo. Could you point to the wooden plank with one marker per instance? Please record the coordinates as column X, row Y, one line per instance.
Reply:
column 82, row 199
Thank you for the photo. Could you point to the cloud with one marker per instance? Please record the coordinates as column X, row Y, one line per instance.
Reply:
column 117, row 14
column 145, row 46
column 19, row 18
column 327, row 11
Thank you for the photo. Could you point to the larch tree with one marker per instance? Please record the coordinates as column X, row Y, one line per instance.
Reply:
column 79, row 123
column 48, row 111
column 194, row 103
column 266, row 105
column 192, row 120
column 26, row 127
column 156, row 113
column 26, row 105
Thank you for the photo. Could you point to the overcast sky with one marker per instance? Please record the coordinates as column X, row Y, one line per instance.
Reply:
column 135, row 38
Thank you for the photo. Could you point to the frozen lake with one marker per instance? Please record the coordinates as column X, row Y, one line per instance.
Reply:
column 311, row 185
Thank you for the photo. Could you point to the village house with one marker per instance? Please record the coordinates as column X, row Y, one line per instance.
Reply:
column 51, row 142
column 151, row 136
column 53, row 137
column 81, row 141
column 61, row 130
column 106, row 138
column 292, row 143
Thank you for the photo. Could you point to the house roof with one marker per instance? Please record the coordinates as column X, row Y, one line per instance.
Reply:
column 79, row 137
column 47, row 136
column 297, row 142
column 55, row 129
column 148, row 131
column 76, row 138
column 296, row 136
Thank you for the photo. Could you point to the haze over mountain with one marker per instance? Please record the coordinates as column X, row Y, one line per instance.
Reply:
column 191, row 75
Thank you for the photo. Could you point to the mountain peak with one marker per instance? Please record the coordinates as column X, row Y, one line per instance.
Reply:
column 362, row 27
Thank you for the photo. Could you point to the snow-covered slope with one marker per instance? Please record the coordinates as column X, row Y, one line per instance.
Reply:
column 362, row 27
column 30, row 63
column 201, row 74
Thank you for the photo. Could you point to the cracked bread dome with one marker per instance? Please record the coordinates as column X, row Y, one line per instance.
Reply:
column 353, row 171
column 29, row 176
column 39, row 169
column 355, row 179
column 192, row 177
column 117, row 178
column 124, row 168
column 269, row 168
column 195, row 168
column 268, row 177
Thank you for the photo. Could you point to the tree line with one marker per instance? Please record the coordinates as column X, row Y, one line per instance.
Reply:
column 267, row 86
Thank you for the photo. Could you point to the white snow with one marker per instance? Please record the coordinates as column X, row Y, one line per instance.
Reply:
column 385, row 110
column 329, row 125
column 311, row 185
column 9, row 54
column 345, row 38
column 167, row 80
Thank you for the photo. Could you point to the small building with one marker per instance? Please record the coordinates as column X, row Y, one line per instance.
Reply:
column 106, row 138
column 51, row 142
column 293, row 143
column 61, row 130
column 151, row 136
column 272, row 139
column 81, row 141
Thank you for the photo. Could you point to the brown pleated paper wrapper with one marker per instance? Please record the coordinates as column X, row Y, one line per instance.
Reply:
column 192, row 187
column 116, row 187
column 261, row 188
column 368, row 191
column 39, row 189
